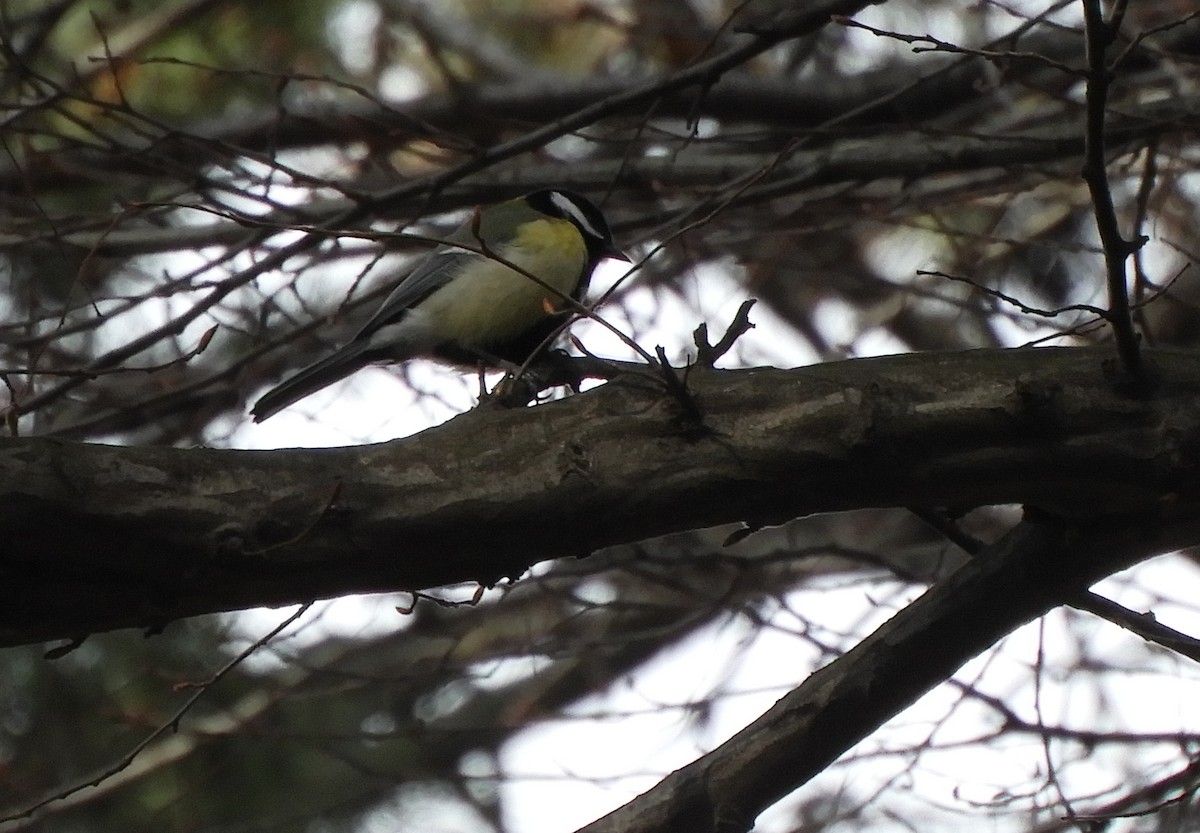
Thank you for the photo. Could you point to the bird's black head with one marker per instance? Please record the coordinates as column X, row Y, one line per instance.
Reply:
column 573, row 206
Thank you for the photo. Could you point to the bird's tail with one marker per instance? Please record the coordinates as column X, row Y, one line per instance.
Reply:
column 310, row 380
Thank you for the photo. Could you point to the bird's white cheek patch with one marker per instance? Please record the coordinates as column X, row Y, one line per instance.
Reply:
column 569, row 209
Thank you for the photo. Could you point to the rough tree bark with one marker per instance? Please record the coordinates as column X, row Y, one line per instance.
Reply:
column 99, row 537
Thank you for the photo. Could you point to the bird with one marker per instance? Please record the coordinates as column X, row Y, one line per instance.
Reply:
column 463, row 304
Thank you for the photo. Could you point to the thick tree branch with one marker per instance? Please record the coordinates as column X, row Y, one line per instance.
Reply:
column 100, row 537
column 1021, row 577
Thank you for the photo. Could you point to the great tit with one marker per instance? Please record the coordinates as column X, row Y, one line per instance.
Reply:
column 468, row 307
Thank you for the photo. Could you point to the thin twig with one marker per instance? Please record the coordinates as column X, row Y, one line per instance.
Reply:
column 1099, row 35
column 200, row 347
column 1009, row 299
column 1142, row 624
column 707, row 354
column 170, row 725
column 1140, row 281
column 936, row 45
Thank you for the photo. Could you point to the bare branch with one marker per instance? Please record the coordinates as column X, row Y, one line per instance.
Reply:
column 1117, row 250
column 882, row 432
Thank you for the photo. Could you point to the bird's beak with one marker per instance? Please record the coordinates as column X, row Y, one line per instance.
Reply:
column 616, row 254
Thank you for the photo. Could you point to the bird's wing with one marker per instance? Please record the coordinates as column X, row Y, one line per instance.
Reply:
column 429, row 276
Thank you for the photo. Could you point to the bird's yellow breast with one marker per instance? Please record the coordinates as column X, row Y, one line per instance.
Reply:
column 489, row 303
